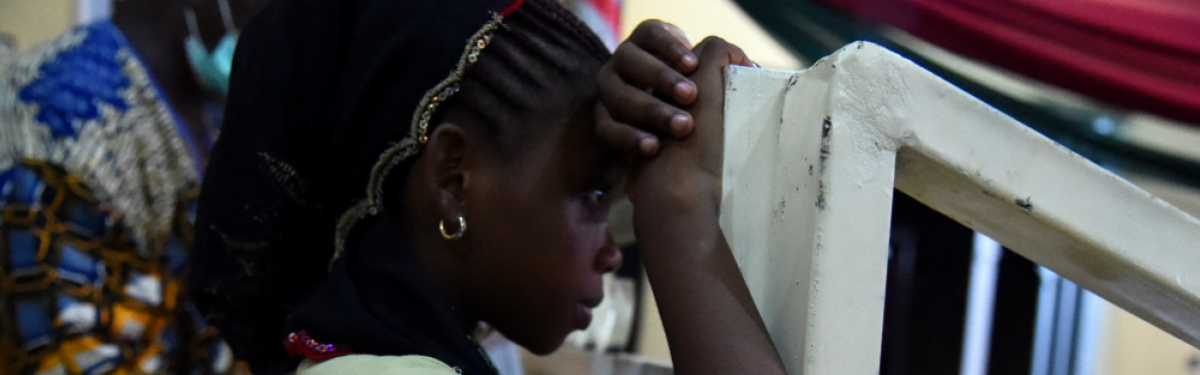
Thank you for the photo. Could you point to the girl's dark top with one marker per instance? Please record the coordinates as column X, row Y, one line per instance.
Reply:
column 320, row 88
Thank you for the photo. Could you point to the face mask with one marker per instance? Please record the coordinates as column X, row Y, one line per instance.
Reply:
column 211, row 69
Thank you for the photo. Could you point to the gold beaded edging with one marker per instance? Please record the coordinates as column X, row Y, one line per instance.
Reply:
column 417, row 136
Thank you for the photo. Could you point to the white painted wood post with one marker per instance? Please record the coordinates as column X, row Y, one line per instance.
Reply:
column 810, row 164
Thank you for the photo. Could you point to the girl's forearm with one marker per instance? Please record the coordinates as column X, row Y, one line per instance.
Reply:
column 711, row 322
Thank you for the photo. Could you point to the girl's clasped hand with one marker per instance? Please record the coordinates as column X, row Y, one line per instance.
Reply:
column 662, row 105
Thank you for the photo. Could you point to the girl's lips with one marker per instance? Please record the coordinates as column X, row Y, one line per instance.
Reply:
column 583, row 316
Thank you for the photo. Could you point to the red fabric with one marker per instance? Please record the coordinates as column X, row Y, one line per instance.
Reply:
column 300, row 345
column 610, row 10
column 512, row 8
column 1139, row 54
column 604, row 17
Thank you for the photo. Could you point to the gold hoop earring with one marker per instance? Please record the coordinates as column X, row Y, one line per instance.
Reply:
column 462, row 228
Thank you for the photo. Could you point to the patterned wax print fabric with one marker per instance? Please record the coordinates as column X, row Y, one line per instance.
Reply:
column 96, row 184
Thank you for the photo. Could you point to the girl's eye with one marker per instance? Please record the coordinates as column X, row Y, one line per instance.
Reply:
column 595, row 198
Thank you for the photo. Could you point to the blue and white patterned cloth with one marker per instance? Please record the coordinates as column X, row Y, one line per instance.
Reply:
column 97, row 181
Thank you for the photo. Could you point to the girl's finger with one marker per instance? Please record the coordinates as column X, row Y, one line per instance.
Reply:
column 677, row 33
column 667, row 42
column 641, row 69
column 623, row 138
column 629, row 105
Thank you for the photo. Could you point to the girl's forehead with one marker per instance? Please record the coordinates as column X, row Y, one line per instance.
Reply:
column 584, row 152
column 569, row 151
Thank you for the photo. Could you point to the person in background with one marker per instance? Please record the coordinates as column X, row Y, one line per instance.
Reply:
column 104, row 132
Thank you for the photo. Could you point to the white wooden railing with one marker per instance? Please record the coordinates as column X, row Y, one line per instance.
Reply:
column 811, row 161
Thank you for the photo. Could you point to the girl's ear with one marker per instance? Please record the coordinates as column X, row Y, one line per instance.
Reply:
column 447, row 149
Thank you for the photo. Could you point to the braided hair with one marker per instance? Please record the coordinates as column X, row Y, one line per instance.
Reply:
column 546, row 60
column 543, row 64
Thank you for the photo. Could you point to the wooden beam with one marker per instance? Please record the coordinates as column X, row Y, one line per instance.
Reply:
column 810, row 165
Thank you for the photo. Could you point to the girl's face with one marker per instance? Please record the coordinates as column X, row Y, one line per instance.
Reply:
column 538, row 233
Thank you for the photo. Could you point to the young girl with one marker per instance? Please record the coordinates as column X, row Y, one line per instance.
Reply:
column 381, row 188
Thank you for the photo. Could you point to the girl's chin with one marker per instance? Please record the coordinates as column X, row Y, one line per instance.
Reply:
column 545, row 348
column 545, row 344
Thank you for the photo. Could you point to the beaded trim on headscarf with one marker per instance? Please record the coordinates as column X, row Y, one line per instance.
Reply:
column 417, row 136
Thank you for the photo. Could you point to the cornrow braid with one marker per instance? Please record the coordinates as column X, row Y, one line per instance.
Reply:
column 542, row 64
column 578, row 29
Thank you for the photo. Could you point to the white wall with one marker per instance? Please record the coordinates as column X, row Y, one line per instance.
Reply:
column 701, row 18
column 1130, row 346
column 32, row 22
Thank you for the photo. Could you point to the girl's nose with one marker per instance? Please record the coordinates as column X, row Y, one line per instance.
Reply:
column 609, row 258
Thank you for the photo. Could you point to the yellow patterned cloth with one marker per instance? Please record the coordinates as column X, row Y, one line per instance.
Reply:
column 96, row 187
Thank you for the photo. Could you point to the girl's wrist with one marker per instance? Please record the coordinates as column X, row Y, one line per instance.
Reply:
column 685, row 223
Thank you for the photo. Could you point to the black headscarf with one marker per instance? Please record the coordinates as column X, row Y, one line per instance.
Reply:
column 320, row 88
